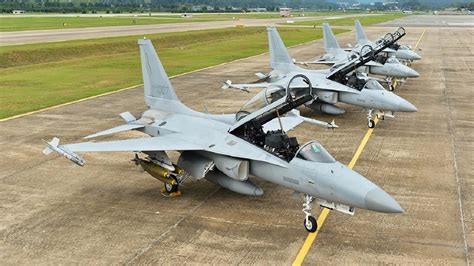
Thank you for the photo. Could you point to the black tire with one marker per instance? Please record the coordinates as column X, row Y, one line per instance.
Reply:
column 391, row 87
column 171, row 188
column 371, row 123
column 311, row 225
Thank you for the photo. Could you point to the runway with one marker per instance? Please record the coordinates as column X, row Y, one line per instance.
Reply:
column 109, row 212
column 37, row 36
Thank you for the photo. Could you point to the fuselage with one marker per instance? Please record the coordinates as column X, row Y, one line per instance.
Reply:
column 330, row 181
column 326, row 179
column 390, row 68
column 403, row 53
column 372, row 96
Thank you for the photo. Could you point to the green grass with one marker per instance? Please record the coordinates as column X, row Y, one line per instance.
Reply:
column 44, row 23
column 64, row 22
column 364, row 20
column 37, row 76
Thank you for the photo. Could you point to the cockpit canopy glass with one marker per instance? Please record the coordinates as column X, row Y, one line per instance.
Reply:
column 262, row 99
column 373, row 85
column 393, row 60
column 314, row 152
column 272, row 94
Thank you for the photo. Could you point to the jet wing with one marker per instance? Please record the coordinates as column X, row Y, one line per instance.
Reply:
column 162, row 143
column 245, row 86
column 231, row 146
column 292, row 120
column 117, row 129
column 319, row 62
column 372, row 63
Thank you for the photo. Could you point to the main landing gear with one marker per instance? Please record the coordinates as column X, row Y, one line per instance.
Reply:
column 310, row 222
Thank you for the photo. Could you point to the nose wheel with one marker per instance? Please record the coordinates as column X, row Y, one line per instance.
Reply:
column 390, row 84
column 370, row 121
column 310, row 223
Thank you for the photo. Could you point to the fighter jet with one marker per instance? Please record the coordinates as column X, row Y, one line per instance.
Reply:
column 366, row 93
column 401, row 52
column 386, row 66
column 226, row 151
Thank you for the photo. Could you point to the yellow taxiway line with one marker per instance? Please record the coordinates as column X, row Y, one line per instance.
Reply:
column 419, row 40
column 325, row 212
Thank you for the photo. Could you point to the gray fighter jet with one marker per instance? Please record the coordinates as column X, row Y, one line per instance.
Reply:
column 402, row 52
column 366, row 93
column 386, row 66
column 226, row 150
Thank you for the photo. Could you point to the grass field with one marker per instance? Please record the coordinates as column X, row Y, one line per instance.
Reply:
column 37, row 76
column 364, row 20
column 45, row 23
column 61, row 22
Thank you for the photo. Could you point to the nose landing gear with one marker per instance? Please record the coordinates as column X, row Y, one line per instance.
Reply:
column 370, row 121
column 310, row 222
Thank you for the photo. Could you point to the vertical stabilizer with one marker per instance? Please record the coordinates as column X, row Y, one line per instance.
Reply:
column 361, row 37
column 155, row 80
column 278, row 53
column 330, row 42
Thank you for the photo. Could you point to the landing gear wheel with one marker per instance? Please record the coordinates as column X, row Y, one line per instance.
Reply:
column 391, row 87
column 371, row 123
column 310, row 224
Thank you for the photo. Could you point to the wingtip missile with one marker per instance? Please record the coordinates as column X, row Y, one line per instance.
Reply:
column 53, row 145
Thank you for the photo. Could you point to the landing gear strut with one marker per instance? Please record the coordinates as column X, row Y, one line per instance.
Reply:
column 391, row 86
column 370, row 121
column 309, row 222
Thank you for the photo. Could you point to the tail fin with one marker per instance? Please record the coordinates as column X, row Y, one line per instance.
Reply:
column 360, row 32
column 278, row 53
column 330, row 42
column 155, row 80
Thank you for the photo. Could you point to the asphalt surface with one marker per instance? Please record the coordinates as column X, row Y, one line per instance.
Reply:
column 55, row 212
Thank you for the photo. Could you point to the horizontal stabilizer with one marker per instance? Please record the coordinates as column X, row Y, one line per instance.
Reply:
column 260, row 75
column 128, row 117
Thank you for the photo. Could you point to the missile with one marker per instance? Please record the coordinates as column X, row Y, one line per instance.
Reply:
column 53, row 145
column 243, row 187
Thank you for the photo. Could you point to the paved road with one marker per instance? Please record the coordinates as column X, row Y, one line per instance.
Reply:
column 108, row 212
column 36, row 36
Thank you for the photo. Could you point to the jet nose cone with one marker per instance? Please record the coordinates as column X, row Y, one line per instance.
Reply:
column 415, row 56
column 406, row 106
column 411, row 73
column 379, row 201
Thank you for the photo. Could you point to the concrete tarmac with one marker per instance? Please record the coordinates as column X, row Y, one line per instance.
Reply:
column 55, row 212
